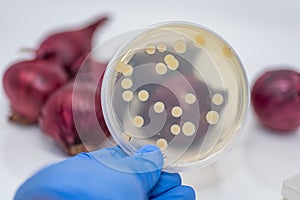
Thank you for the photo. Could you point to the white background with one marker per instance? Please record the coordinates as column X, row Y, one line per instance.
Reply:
column 262, row 32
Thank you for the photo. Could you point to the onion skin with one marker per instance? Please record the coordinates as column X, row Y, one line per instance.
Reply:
column 78, row 99
column 69, row 45
column 28, row 84
column 276, row 100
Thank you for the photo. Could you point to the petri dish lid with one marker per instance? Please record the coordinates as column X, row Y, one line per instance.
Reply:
column 179, row 86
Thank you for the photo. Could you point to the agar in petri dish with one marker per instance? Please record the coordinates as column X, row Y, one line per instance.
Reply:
column 217, row 99
column 143, row 95
column 180, row 46
column 150, row 49
column 138, row 121
column 162, row 143
column 127, row 70
column 161, row 68
column 176, row 111
column 190, row 98
column 161, row 47
column 175, row 129
column 188, row 129
column 178, row 86
column 212, row 117
column 159, row 107
column 126, row 83
column 171, row 62
column 127, row 95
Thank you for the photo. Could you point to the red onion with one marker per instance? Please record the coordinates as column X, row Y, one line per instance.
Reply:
column 276, row 99
column 29, row 83
column 69, row 45
column 73, row 115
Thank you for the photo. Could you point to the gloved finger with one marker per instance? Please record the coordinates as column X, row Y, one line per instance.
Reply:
column 147, row 159
column 107, row 153
column 166, row 182
column 178, row 193
column 142, row 169
column 147, row 163
column 150, row 158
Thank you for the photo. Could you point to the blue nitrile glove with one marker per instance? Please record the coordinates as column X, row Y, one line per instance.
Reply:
column 108, row 174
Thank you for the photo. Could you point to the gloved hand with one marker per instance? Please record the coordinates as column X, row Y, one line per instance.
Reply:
column 107, row 174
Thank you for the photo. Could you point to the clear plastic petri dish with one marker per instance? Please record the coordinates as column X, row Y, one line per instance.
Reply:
column 179, row 86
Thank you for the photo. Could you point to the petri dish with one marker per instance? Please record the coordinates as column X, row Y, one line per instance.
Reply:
column 178, row 86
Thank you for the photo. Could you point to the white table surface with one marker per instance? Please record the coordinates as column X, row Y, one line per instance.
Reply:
column 262, row 32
